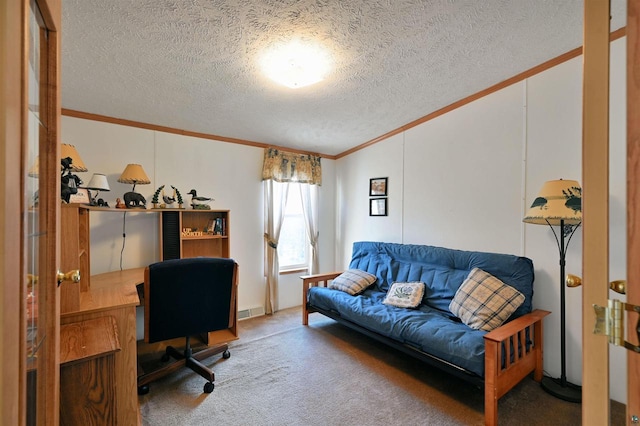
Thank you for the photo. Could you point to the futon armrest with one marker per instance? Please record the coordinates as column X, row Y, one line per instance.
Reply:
column 513, row 327
column 316, row 280
column 512, row 351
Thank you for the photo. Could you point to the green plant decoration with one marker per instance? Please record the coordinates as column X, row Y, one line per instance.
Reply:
column 178, row 195
column 156, row 194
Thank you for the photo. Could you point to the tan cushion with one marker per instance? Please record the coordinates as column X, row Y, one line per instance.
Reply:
column 405, row 295
column 483, row 302
column 353, row 281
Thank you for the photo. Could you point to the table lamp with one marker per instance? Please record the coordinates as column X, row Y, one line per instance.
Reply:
column 70, row 162
column 134, row 174
column 97, row 183
column 559, row 203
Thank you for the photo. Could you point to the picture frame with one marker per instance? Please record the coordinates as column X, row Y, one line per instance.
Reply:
column 378, row 186
column 378, row 207
column 81, row 197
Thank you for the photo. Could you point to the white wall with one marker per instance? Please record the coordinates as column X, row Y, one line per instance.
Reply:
column 465, row 179
column 230, row 173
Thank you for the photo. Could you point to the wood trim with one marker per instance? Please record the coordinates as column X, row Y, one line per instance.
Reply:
column 633, row 198
column 12, row 378
column 595, row 209
column 166, row 129
column 496, row 87
column 49, row 206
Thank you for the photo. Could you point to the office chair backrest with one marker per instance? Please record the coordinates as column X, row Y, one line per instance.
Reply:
column 183, row 297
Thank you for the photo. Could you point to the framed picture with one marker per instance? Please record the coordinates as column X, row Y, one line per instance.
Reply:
column 378, row 207
column 377, row 186
column 82, row 196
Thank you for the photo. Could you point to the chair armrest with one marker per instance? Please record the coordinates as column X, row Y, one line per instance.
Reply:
column 313, row 281
column 513, row 327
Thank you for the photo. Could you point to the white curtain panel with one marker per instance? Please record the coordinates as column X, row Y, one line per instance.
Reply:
column 310, row 194
column 275, row 196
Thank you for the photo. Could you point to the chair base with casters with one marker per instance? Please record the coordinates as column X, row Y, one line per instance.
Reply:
column 186, row 358
column 182, row 298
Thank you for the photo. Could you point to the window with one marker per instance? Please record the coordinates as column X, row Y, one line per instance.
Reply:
column 293, row 246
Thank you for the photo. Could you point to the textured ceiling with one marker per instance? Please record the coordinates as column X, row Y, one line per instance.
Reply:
column 194, row 64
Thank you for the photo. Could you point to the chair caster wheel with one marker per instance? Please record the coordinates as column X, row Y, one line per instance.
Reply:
column 143, row 390
column 208, row 387
column 226, row 354
column 165, row 357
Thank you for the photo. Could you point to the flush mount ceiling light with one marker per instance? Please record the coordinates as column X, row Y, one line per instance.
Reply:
column 296, row 64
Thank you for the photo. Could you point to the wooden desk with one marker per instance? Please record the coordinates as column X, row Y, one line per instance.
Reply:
column 87, row 372
column 114, row 294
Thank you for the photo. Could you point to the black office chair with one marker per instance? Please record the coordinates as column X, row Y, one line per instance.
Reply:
column 183, row 298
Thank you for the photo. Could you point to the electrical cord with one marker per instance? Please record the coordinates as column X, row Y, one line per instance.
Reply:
column 124, row 236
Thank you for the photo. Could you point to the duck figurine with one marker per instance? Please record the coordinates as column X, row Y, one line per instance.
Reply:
column 168, row 200
column 199, row 202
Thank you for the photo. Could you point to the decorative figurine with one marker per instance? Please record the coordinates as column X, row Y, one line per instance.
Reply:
column 198, row 202
column 69, row 182
column 168, row 199
column 156, row 195
column 134, row 200
column 120, row 204
column 178, row 195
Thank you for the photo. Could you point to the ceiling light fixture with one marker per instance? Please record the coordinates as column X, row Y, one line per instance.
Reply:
column 296, row 64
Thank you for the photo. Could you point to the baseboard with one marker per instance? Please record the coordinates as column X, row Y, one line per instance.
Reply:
column 251, row 312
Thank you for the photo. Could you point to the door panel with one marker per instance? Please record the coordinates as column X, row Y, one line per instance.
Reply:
column 40, row 204
column 595, row 191
column 633, row 201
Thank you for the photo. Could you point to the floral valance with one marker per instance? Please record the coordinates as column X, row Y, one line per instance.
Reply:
column 282, row 166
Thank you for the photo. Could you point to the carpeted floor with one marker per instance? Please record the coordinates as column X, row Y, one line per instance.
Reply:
column 283, row 373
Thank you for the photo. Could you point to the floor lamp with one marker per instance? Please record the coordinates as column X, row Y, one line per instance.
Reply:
column 559, row 203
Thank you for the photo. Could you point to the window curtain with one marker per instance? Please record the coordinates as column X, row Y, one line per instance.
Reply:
column 275, row 201
column 280, row 168
column 309, row 194
column 283, row 166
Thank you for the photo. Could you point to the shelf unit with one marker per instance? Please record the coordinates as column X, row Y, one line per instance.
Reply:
column 189, row 233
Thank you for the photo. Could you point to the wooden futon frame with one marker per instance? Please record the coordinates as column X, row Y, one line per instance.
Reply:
column 505, row 365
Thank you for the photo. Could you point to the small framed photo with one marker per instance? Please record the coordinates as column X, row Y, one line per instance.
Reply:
column 378, row 207
column 378, row 187
column 81, row 197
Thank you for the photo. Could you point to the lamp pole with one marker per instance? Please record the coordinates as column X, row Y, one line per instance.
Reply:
column 561, row 388
column 563, row 332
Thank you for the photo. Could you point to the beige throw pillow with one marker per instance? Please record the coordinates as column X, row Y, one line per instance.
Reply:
column 353, row 281
column 483, row 302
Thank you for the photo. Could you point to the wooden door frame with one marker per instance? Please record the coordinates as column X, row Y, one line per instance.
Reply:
column 633, row 199
column 11, row 118
column 13, row 131
column 595, row 209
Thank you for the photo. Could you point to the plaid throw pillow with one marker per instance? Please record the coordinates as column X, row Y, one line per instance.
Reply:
column 353, row 281
column 405, row 295
column 483, row 302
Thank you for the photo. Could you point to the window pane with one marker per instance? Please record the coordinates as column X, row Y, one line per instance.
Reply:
column 293, row 246
column 293, row 242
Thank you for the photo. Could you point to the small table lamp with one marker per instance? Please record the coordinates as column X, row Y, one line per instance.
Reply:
column 559, row 203
column 97, row 183
column 134, row 174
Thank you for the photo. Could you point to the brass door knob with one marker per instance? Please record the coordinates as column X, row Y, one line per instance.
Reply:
column 73, row 276
column 619, row 286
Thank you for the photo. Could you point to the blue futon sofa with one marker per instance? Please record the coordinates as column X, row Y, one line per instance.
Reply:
column 496, row 359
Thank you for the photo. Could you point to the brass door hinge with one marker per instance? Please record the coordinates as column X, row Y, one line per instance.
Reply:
column 610, row 322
